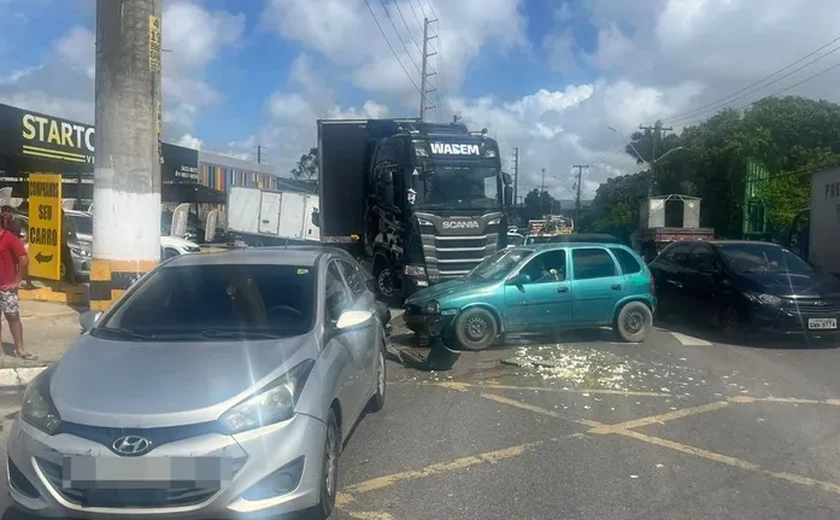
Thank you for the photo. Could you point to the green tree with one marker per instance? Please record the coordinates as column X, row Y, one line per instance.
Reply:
column 532, row 209
column 307, row 166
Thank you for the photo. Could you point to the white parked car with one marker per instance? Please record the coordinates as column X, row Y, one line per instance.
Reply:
column 174, row 246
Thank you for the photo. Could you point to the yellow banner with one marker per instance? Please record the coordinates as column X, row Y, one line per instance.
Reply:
column 45, row 221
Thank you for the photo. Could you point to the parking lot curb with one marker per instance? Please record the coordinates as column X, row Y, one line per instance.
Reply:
column 17, row 378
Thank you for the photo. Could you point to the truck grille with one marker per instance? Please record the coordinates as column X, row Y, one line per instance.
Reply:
column 453, row 257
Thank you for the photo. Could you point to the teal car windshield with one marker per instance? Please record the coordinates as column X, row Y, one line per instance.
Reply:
column 498, row 265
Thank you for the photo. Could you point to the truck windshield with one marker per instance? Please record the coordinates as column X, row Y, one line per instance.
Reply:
column 458, row 185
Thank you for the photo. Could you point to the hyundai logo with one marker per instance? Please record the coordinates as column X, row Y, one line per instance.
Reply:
column 132, row 445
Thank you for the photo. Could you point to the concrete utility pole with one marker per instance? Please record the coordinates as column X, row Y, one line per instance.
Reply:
column 424, row 70
column 515, row 175
column 580, row 168
column 126, row 193
column 656, row 136
column 542, row 190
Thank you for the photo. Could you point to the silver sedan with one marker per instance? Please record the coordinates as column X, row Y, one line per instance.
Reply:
column 218, row 386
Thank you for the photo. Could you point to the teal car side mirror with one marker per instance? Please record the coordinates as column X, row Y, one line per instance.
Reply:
column 519, row 280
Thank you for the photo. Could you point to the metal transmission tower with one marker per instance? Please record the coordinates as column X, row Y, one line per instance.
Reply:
column 580, row 168
column 656, row 137
column 515, row 175
column 424, row 70
column 126, row 189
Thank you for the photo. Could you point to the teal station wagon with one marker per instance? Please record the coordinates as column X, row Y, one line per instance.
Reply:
column 541, row 288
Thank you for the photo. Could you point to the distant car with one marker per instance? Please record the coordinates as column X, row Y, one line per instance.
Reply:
column 746, row 287
column 539, row 288
column 174, row 246
column 218, row 386
column 515, row 239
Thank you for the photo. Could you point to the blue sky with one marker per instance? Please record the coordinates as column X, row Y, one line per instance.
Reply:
column 548, row 76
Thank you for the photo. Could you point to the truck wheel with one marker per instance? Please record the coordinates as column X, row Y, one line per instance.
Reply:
column 386, row 287
column 633, row 322
column 476, row 329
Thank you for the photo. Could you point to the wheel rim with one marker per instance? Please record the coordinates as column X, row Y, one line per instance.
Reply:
column 634, row 321
column 331, row 463
column 381, row 375
column 384, row 282
column 476, row 328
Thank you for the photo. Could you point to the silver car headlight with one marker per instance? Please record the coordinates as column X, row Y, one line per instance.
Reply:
column 271, row 404
column 38, row 408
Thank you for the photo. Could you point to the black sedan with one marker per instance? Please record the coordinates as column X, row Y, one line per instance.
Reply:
column 746, row 287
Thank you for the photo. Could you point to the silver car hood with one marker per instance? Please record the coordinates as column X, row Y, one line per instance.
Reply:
column 126, row 384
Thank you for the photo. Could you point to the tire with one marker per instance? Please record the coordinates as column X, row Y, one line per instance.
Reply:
column 475, row 329
column 634, row 322
column 728, row 320
column 377, row 401
column 329, row 470
column 386, row 288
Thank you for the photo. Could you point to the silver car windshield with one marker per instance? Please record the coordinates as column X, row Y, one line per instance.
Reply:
column 216, row 302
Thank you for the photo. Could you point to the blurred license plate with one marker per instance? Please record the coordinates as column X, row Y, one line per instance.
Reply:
column 822, row 323
column 145, row 472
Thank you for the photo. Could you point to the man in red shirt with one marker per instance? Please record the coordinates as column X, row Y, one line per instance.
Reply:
column 13, row 263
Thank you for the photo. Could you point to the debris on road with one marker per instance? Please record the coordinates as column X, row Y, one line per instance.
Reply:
column 564, row 362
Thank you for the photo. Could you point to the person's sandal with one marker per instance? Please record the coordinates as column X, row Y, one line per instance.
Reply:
column 28, row 356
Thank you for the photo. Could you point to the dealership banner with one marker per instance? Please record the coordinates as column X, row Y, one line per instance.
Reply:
column 39, row 142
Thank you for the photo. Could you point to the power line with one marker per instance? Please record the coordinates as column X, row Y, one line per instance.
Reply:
column 410, row 32
column 367, row 2
column 809, row 78
column 726, row 99
column 404, row 46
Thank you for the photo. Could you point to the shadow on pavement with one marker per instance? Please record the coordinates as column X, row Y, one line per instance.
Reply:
column 709, row 333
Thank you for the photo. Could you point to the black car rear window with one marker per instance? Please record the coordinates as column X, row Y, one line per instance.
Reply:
column 628, row 262
column 248, row 300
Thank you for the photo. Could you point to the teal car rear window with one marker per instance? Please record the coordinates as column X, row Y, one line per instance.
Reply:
column 628, row 263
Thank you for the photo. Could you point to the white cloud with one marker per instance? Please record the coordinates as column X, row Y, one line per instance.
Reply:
column 63, row 85
column 345, row 33
column 190, row 141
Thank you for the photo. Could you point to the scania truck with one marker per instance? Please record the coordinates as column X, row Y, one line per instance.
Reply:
column 419, row 203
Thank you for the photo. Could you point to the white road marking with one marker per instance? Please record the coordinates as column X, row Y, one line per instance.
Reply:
column 690, row 341
column 396, row 312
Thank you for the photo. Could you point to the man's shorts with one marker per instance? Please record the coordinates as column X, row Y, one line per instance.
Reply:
column 9, row 302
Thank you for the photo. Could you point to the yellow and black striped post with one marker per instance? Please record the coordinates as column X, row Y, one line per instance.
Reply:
column 109, row 279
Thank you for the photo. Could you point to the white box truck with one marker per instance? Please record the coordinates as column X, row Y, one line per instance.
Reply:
column 265, row 218
column 815, row 233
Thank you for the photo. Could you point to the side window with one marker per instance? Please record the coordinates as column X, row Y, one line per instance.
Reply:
column 678, row 254
column 547, row 267
column 628, row 262
column 353, row 279
column 592, row 263
column 702, row 255
column 336, row 297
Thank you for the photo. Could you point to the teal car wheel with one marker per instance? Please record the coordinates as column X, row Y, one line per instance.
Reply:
column 633, row 322
column 475, row 329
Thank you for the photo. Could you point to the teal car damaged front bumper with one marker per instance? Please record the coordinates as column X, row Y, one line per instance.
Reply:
column 427, row 324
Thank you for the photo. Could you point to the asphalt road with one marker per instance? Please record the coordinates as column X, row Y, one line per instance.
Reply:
column 581, row 427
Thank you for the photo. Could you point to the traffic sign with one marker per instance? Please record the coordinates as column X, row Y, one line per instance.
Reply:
column 45, row 219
